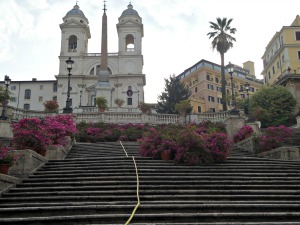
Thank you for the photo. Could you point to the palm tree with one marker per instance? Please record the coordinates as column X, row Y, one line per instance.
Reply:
column 222, row 41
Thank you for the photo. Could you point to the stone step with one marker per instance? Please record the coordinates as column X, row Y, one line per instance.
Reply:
column 174, row 202
column 178, row 192
column 145, row 208
column 46, row 188
column 159, row 218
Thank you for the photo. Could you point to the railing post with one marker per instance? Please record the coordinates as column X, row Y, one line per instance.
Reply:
column 233, row 125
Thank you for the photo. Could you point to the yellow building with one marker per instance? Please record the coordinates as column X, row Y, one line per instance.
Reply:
column 204, row 82
column 282, row 54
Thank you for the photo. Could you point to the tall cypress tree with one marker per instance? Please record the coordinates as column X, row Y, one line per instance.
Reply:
column 173, row 93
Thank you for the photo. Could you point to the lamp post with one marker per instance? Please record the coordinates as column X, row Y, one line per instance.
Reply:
column 5, row 102
column 80, row 98
column 68, row 108
column 234, row 111
column 247, row 87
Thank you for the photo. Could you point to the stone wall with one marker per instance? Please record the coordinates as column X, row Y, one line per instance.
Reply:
column 250, row 145
column 282, row 153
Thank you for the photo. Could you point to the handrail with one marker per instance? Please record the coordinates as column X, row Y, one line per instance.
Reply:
column 137, row 188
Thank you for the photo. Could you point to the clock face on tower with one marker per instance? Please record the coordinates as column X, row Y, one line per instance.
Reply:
column 130, row 66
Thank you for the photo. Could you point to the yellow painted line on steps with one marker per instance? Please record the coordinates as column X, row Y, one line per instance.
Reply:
column 123, row 149
column 137, row 188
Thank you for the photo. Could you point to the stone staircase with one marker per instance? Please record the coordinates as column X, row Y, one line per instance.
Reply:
column 96, row 184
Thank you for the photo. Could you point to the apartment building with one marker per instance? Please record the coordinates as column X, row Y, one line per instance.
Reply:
column 204, row 82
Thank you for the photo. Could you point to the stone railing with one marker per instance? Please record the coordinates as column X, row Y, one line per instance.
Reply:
column 123, row 118
column 121, row 115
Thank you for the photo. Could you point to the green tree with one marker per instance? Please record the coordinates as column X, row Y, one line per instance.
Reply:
column 222, row 41
column 272, row 105
column 4, row 95
column 174, row 92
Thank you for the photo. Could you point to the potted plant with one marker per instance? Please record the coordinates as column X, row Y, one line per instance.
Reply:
column 51, row 106
column 183, row 107
column 6, row 159
column 102, row 103
column 144, row 107
column 119, row 102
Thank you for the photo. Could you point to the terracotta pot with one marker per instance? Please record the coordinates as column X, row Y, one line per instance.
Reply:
column 101, row 109
column 42, row 152
column 165, row 155
column 4, row 168
column 248, row 135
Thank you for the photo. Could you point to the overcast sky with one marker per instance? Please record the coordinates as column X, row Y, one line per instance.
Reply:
column 175, row 34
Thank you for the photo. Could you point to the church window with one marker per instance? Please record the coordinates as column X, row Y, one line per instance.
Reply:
column 40, row 98
column 27, row 94
column 129, row 43
column 55, row 87
column 92, row 72
column 26, row 106
column 129, row 101
column 72, row 43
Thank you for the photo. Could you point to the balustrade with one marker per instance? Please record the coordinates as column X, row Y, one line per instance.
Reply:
column 121, row 116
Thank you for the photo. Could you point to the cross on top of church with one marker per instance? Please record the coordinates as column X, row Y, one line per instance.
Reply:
column 104, row 9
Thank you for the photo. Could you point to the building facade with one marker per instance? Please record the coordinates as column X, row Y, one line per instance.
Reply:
column 204, row 82
column 281, row 60
column 125, row 68
column 282, row 54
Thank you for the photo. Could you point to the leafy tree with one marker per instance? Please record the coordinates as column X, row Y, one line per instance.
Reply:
column 183, row 107
column 174, row 92
column 222, row 41
column 4, row 95
column 272, row 105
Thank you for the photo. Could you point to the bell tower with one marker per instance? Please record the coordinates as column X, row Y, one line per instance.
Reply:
column 130, row 31
column 75, row 33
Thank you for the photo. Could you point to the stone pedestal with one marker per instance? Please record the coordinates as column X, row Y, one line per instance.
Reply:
column 233, row 125
column 5, row 129
column 7, row 182
column 56, row 152
column 28, row 162
column 255, row 127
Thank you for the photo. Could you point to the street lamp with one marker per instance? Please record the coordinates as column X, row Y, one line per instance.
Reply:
column 5, row 102
column 234, row 111
column 247, row 87
column 68, row 108
column 80, row 98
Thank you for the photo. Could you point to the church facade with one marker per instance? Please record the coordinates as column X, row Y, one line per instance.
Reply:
column 125, row 78
column 123, row 71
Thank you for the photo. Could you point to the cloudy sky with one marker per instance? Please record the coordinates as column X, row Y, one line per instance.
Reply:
column 175, row 34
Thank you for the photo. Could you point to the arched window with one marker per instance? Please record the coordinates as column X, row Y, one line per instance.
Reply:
column 27, row 94
column 129, row 43
column 72, row 43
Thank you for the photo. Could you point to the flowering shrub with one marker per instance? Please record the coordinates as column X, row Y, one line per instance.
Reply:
column 243, row 133
column 218, row 145
column 38, row 134
column 191, row 149
column 274, row 137
column 51, row 106
column 58, row 127
column 30, row 133
column 149, row 144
